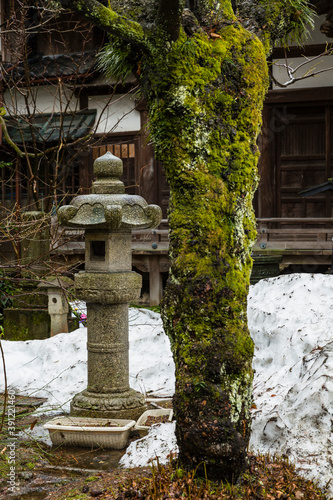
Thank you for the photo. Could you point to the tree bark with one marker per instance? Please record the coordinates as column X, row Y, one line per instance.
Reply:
column 129, row 31
column 169, row 17
column 205, row 98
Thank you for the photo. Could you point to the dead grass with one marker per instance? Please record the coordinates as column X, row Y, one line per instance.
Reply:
column 265, row 479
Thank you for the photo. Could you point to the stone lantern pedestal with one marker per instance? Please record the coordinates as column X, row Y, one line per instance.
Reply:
column 107, row 285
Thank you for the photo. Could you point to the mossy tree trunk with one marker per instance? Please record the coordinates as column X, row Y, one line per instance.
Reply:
column 204, row 81
column 205, row 113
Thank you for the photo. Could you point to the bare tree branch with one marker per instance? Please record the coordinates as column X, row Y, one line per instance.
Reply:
column 11, row 143
column 292, row 71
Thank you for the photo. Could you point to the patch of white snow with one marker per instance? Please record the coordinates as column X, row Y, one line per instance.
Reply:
column 290, row 319
column 159, row 443
column 56, row 368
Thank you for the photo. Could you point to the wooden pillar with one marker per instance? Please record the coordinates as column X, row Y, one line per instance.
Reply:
column 266, row 194
column 148, row 190
column 86, row 173
column 155, row 281
column 146, row 163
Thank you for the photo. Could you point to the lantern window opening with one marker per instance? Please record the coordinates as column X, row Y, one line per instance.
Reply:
column 97, row 250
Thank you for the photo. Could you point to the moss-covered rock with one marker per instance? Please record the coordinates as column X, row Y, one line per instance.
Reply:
column 26, row 324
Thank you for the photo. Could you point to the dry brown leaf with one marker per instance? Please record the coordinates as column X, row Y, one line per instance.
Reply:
column 32, row 425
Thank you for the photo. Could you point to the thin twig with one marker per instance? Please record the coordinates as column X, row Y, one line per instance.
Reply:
column 291, row 71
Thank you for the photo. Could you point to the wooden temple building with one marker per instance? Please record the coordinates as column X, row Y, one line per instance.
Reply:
column 296, row 150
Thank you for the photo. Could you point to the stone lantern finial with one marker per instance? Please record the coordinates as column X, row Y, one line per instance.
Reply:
column 108, row 169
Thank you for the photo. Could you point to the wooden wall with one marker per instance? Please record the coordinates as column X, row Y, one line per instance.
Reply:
column 297, row 153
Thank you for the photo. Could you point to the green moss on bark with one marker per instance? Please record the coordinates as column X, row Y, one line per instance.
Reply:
column 129, row 31
column 205, row 98
column 283, row 20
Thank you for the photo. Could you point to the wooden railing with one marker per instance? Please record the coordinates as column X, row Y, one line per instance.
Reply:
column 274, row 234
column 293, row 234
column 151, row 240
column 305, row 241
column 71, row 241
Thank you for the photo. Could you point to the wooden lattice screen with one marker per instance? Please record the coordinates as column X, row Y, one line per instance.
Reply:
column 127, row 152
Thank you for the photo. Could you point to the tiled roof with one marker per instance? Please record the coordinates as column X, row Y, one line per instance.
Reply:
column 48, row 127
column 53, row 66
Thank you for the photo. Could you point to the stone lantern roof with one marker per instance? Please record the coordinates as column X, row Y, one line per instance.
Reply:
column 108, row 207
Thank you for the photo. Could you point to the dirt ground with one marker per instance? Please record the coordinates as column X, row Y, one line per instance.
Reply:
column 48, row 472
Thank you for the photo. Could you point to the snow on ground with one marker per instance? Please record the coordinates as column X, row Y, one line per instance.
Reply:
column 152, row 370
column 291, row 322
column 160, row 442
column 290, row 319
column 56, row 368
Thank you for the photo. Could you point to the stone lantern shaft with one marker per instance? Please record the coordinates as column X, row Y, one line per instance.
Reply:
column 107, row 285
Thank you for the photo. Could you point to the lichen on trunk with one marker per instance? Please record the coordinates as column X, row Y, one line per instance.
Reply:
column 205, row 98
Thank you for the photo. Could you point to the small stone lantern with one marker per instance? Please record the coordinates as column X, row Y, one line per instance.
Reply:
column 107, row 285
column 57, row 303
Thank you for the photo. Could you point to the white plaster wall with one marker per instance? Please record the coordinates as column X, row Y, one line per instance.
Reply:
column 46, row 99
column 116, row 114
column 315, row 36
column 323, row 66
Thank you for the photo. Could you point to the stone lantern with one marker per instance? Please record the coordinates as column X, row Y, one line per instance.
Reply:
column 107, row 285
column 57, row 303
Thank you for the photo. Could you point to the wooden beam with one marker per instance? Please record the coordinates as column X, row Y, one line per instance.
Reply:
column 308, row 51
column 310, row 96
